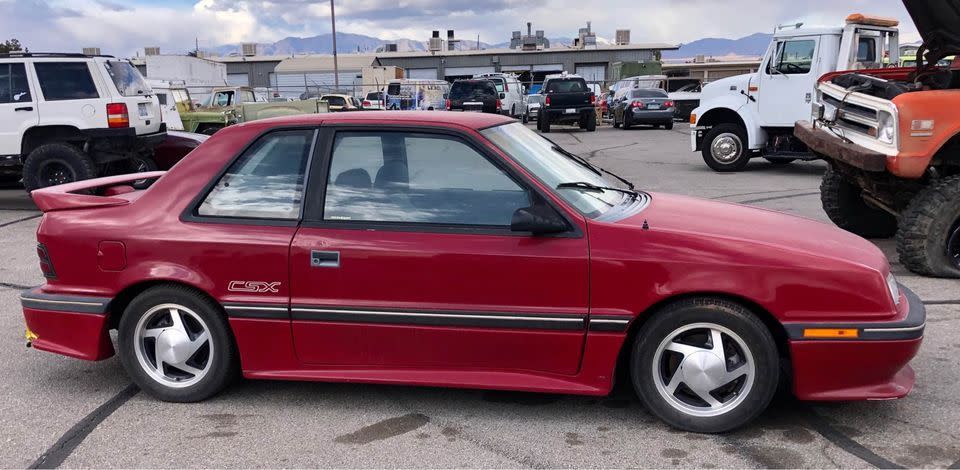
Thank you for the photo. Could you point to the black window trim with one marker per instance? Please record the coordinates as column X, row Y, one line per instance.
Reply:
column 316, row 197
column 190, row 214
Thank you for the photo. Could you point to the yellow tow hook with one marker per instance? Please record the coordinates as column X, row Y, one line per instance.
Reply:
column 31, row 337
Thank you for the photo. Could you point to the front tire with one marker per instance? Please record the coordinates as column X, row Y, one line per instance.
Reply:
column 843, row 202
column 176, row 345
column 54, row 164
column 929, row 237
column 705, row 365
column 725, row 148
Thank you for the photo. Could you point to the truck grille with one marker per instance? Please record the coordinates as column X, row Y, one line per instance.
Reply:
column 852, row 117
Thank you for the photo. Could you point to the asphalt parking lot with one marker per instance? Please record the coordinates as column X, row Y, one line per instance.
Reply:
column 59, row 411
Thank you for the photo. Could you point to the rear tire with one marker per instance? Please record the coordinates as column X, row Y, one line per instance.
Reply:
column 149, row 337
column 545, row 123
column 929, row 237
column 843, row 202
column 668, row 126
column 592, row 123
column 676, row 362
column 57, row 163
column 725, row 148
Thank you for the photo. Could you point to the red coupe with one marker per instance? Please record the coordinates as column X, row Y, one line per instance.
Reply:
column 461, row 250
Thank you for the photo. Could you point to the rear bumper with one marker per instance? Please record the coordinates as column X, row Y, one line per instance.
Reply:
column 874, row 366
column 561, row 114
column 10, row 165
column 74, row 326
column 832, row 147
column 127, row 138
column 642, row 116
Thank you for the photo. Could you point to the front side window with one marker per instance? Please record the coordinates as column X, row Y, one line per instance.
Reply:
column 266, row 182
column 222, row 99
column 14, row 87
column 398, row 177
column 61, row 81
column 792, row 57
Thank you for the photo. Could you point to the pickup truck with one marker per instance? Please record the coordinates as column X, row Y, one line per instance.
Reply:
column 231, row 105
column 567, row 100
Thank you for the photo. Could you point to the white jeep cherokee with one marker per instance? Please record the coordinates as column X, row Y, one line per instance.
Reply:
column 69, row 117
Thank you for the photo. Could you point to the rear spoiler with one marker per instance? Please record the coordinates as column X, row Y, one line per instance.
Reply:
column 65, row 196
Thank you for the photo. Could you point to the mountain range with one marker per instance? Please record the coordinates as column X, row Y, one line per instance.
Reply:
column 753, row 45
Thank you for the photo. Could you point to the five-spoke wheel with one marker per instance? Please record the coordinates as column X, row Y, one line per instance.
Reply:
column 173, row 345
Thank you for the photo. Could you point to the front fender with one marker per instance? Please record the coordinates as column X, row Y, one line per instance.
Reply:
column 709, row 114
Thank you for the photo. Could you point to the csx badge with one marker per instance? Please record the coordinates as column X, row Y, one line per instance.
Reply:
column 254, row 287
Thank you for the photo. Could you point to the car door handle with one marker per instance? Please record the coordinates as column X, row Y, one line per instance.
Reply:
column 324, row 259
column 24, row 108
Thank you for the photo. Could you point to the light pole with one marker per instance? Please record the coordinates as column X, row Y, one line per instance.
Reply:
column 333, row 26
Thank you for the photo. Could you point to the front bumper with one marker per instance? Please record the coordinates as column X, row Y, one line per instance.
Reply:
column 71, row 325
column 832, row 147
column 10, row 165
column 871, row 366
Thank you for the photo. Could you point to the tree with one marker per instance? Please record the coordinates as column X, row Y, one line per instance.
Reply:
column 11, row 45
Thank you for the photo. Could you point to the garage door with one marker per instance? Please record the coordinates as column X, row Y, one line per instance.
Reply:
column 592, row 73
column 238, row 79
column 467, row 71
column 548, row 68
column 422, row 74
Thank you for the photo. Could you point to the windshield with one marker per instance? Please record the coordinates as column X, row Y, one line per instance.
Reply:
column 537, row 155
column 128, row 80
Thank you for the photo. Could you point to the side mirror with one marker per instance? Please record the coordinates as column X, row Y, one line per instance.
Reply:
column 538, row 219
column 503, row 95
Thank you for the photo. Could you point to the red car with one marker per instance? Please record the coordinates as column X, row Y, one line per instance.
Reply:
column 461, row 250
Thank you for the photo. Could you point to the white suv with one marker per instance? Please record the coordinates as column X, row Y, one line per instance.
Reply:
column 511, row 93
column 69, row 117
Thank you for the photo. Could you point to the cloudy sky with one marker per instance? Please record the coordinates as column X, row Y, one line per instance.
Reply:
column 121, row 27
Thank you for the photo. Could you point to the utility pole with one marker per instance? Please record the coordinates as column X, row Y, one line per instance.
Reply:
column 333, row 26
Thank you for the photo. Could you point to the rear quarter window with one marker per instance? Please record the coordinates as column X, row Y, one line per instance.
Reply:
column 61, row 81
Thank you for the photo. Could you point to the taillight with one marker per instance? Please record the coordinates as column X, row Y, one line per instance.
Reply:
column 636, row 104
column 448, row 105
column 117, row 115
column 546, row 101
column 46, row 265
column 366, row 103
column 668, row 104
column 593, row 99
column 498, row 105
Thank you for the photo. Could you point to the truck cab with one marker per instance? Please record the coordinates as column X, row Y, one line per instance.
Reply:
column 752, row 115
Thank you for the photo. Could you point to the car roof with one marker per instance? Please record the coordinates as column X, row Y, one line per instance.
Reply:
column 442, row 118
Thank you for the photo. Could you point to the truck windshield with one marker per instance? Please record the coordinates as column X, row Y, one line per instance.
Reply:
column 539, row 157
column 128, row 80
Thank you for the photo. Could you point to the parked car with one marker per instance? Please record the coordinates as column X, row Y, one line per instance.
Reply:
column 373, row 101
column 477, row 95
column 890, row 137
column 163, row 89
column 226, row 106
column 511, row 93
column 544, row 274
column 71, row 117
column 176, row 146
column 534, row 103
column 415, row 94
column 339, row 103
column 644, row 106
column 567, row 100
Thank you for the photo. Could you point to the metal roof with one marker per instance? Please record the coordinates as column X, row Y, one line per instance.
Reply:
column 345, row 62
column 551, row 50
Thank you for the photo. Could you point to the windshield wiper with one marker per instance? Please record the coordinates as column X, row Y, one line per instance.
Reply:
column 596, row 169
column 592, row 187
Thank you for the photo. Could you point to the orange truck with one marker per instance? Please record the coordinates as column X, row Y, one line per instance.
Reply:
column 892, row 139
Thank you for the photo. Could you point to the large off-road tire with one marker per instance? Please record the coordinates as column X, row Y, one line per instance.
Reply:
column 175, row 344
column 929, row 237
column 57, row 163
column 725, row 148
column 721, row 384
column 844, row 205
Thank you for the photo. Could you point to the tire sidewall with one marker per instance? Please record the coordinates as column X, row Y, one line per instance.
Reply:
column 754, row 334
column 223, row 367
column 737, row 164
column 79, row 164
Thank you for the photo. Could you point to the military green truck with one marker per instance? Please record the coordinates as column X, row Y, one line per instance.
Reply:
column 231, row 105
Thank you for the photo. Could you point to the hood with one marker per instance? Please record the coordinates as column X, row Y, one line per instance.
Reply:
column 757, row 229
column 938, row 22
column 726, row 86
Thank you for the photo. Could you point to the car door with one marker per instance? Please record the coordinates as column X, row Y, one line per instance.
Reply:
column 70, row 93
column 787, row 82
column 407, row 260
column 18, row 106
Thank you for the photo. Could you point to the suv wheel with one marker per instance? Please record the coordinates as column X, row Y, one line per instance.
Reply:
column 929, row 237
column 725, row 148
column 53, row 164
column 591, row 122
column 544, row 122
column 705, row 365
column 176, row 345
column 844, row 205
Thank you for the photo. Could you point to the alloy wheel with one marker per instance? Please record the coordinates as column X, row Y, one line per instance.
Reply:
column 726, row 148
column 173, row 345
column 703, row 369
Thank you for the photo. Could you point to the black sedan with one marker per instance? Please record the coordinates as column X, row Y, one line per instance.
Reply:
column 644, row 106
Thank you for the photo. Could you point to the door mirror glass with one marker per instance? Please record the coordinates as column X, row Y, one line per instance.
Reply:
column 503, row 95
column 538, row 219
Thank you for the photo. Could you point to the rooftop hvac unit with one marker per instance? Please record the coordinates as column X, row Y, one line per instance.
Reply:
column 390, row 47
column 436, row 44
column 449, row 34
column 515, row 35
column 151, row 51
column 623, row 37
column 700, row 59
column 91, row 51
column 248, row 49
column 540, row 33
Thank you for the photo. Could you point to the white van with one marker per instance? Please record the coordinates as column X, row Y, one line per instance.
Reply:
column 511, row 93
